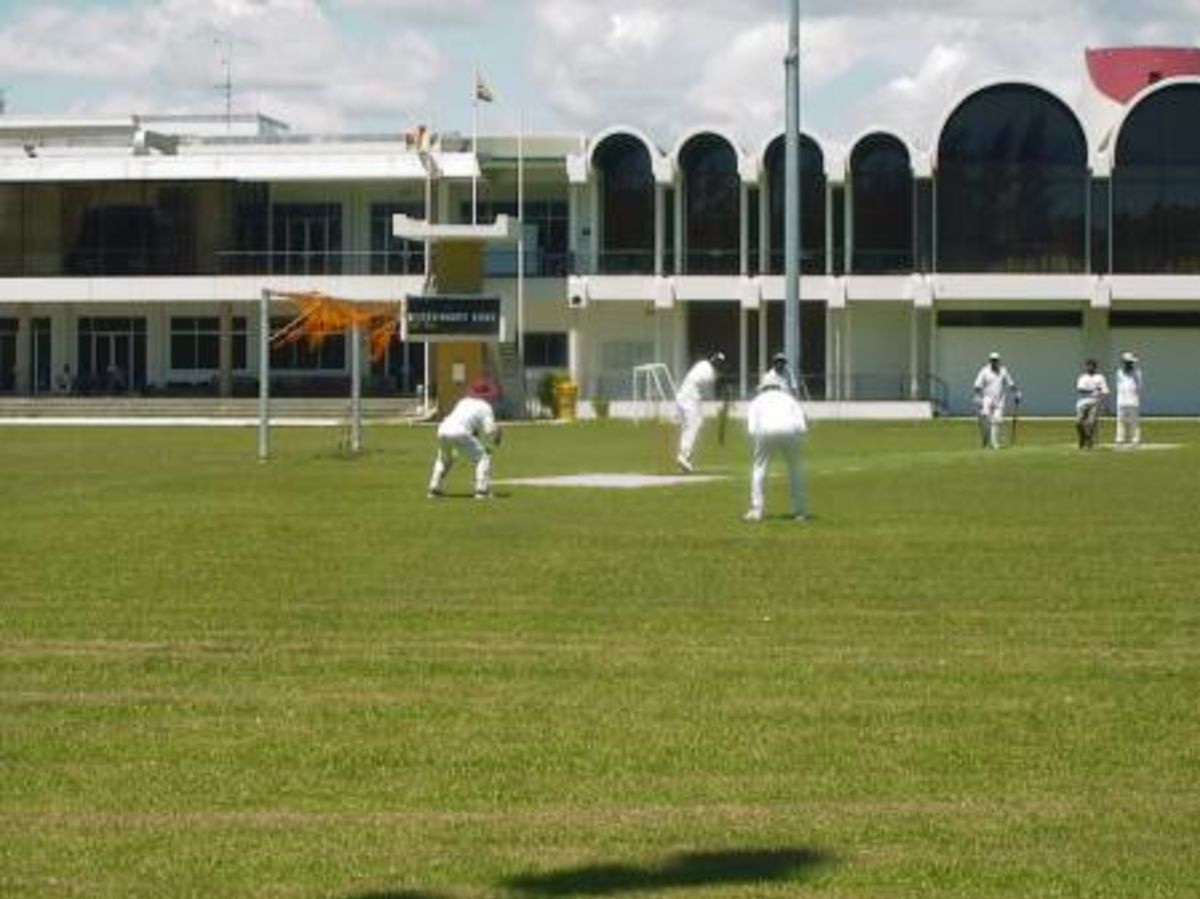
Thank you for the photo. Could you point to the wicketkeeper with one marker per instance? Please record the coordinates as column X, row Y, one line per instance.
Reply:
column 459, row 433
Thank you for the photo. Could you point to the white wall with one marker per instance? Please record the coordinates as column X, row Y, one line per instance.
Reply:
column 1044, row 361
column 1170, row 361
column 880, row 342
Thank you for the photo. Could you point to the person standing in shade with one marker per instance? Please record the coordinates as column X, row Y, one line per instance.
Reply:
column 1129, row 401
column 993, row 388
column 1091, row 390
column 459, row 433
column 777, row 424
column 697, row 385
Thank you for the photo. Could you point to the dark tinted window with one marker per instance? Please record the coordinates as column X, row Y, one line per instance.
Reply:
column 1156, row 185
column 711, row 206
column 626, row 183
column 812, row 205
column 882, row 198
column 1012, row 185
column 546, row 349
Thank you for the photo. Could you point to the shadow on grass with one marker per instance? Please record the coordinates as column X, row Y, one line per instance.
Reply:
column 676, row 872
column 690, row 869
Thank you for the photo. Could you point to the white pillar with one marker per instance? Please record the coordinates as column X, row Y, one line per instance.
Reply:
column 914, row 377
column 660, row 227
column 743, row 354
column 744, row 229
column 264, row 376
column 23, row 381
column 225, row 352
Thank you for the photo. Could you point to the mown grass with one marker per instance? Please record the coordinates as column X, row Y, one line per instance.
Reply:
column 974, row 674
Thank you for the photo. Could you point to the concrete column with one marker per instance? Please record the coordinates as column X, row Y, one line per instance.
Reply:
column 914, row 377
column 225, row 352
column 743, row 354
column 764, row 229
column 762, row 335
column 594, row 224
column 848, row 352
column 660, row 227
column 744, row 230
column 677, row 212
column 24, row 358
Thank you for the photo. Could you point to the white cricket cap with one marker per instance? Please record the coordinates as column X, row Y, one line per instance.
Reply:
column 1128, row 357
column 993, row 355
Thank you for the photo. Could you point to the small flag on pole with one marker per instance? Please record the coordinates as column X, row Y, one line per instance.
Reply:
column 483, row 93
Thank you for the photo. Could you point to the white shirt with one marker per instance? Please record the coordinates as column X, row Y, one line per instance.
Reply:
column 771, row 377
column 776, row 413
column 1129, row 387
column 1091, row 388
column 469, row 416
column 699, row 380
column 994, row 385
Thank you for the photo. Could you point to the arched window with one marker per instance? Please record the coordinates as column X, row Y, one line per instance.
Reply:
column 1012, row 184
column 812, row 205
column 1156, row 185
column 881, row 206
column 626, row 185
column 711, row 206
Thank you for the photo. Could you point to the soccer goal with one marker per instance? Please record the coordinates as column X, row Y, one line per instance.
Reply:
column 318, row 316
column 653, row 391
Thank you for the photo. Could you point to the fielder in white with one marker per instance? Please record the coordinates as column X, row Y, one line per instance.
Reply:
column 993, row 388
column 777, row 424
column 697, row 384
column 1091, row 390
column 459, row 433
column 1129, row 401
column 780, row 375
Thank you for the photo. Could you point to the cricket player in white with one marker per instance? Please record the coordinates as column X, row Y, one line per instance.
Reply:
column 459, row 433
column 1091, row 390
column 777, row 424
column 780, row 375
column 1129, row 401
column 993, row 388
column 697, row 384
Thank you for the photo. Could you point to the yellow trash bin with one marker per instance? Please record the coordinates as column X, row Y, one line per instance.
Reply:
column 566, row 397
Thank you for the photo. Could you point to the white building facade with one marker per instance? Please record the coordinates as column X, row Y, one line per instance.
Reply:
column 133, row 252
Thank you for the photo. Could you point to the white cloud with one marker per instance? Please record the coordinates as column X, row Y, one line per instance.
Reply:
column 289, row 60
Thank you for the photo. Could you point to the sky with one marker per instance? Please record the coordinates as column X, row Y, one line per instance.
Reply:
column 572, row 66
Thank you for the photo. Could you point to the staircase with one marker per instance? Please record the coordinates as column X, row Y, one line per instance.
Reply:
column 511, row 376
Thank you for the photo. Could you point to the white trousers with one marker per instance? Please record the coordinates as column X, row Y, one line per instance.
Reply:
column 991, row 421
column 763, row 448
column 691, row 416
column 1129, row 424
column 471, row 447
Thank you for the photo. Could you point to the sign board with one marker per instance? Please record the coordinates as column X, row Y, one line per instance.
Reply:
column 437, row 318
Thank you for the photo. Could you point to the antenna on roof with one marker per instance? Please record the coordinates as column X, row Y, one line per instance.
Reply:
column 225, row 47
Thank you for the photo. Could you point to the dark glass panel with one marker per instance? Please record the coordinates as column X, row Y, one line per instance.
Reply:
column 391, row 255
column 882, row 192
column 712, row 204
column 1009, row 318
column 626, row 183
column 1156, row 185
column 546, row 349
column 812, row 205
column 1012, row 184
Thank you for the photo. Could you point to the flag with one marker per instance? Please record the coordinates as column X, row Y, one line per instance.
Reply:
column 482, row 91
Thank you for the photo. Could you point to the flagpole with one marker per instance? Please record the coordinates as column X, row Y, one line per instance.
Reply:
column 475, row 149
column 791, row 180
column 521, row 242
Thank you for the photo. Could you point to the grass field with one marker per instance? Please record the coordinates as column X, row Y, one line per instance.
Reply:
column 972, row 675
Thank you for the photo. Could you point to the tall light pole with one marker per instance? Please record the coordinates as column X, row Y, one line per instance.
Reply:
column 791, row 204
